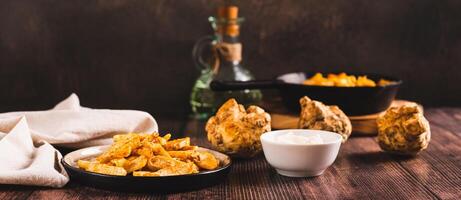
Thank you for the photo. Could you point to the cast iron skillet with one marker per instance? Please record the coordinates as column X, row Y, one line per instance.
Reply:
column 354, row 101
column 164, row 184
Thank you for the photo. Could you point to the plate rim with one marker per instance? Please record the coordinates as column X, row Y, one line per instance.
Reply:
column 67, row 165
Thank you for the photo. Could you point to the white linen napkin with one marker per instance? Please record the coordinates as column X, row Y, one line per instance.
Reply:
column 70, row 125
column 26, row 156
column 25, row 162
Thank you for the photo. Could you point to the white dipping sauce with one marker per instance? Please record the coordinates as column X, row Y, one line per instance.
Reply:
column 292, row 138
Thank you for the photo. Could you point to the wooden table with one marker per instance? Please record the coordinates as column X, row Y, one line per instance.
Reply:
column 361, row 171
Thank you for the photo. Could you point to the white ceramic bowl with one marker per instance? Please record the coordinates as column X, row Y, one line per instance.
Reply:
column 300, row 160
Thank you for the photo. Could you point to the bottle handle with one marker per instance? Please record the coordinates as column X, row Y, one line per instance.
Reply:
column 198, row 50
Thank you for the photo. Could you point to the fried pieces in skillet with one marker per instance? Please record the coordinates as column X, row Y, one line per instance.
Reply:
column 344, row 80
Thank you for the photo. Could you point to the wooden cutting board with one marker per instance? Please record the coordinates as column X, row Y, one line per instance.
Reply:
column 361, row 125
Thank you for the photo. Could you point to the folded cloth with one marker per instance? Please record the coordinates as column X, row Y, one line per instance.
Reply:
column 70, row 125
column 26, row 162
column 26, row 156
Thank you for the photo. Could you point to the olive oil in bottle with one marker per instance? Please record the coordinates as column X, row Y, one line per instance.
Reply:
column 224, row 64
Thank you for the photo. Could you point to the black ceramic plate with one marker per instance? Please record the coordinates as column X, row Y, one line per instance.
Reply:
column 130, row 183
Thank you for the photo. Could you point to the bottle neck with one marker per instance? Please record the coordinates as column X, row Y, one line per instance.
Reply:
column 227, row 44
column 229, row 49
column 228, row 39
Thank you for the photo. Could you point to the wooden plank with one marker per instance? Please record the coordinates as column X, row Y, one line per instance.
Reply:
column 439, row 167
column 248, row 179
column 77, row 191
column 361, row 171
column 15, row 191
column 448, row 118
column 351, row 168
column 360, row 164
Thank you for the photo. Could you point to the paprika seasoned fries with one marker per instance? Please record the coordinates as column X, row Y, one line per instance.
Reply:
column 150, row 155
column 344, row 80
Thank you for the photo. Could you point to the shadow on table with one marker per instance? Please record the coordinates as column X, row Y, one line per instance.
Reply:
column 9, row 187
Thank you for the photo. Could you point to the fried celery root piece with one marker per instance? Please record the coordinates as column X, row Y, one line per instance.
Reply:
column 177, row 144
column 159, row 162
column 135, row 163
column 149, row 149
column 101, row 168
column 165, row 166
column 145, row 150
column 186, row 168
column 204, row 160
column 144, row 173
column 159, row 150
column 119, row 162
column 120, row 149
column 84, row 164
column 182, row 155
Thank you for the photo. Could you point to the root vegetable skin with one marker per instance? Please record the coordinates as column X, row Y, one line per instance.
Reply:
column 403, row 130
column 318, row 116
column 236, row 131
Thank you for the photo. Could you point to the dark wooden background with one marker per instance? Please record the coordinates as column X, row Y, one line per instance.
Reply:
column 136, row 54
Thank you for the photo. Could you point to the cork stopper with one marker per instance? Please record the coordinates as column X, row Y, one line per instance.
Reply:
column 229, row 14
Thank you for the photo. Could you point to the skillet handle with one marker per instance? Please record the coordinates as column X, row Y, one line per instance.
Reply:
column 243, row 85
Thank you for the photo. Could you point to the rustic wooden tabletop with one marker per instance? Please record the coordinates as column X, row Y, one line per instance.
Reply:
column 361, row 171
